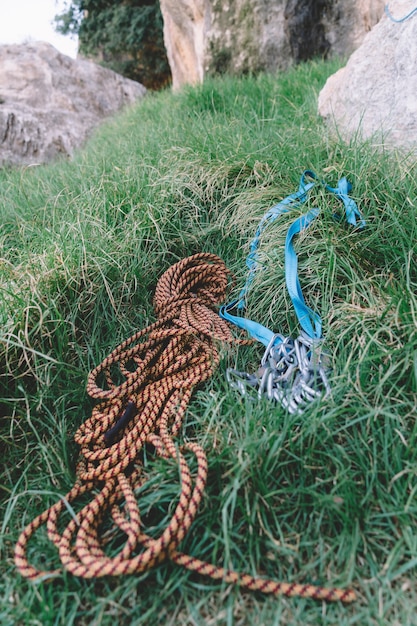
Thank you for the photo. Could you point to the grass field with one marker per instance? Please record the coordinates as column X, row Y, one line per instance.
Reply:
column 329, row 496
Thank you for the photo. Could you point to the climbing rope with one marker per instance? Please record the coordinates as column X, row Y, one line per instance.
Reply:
column 143, row 388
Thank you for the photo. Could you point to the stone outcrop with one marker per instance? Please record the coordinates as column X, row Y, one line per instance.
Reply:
column 50, row 103
column 240, row 36
column 375, row 94
column 186, row 23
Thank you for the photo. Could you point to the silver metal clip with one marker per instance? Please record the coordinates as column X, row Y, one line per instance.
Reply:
column 241, row 380
column 293, row 372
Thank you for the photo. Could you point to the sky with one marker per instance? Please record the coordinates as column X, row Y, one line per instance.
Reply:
column 32, row 20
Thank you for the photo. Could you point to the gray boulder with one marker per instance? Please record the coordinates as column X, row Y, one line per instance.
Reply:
column 375, row 94
column 50, row 103
column 240, row 36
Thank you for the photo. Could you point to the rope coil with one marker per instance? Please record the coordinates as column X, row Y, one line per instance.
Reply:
column 143, row 389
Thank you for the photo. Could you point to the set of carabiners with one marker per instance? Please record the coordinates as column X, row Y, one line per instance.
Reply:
column 293, row 372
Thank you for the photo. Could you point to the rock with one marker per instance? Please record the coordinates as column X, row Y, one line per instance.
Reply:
column 375, row 94
column 186, row 23
column 50, row 103
column 240, row 36
column 323, row 27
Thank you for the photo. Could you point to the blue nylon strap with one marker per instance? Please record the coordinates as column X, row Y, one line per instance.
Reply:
column 309, row 320
column 352, row 212
column 284, row 206
column 255, row 330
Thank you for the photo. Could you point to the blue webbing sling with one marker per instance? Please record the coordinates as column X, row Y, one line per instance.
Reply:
column 293, row 372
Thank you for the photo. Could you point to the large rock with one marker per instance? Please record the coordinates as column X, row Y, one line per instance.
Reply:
column 186, row 23
column 240, row 36
column 50, row 103
column 375, row 94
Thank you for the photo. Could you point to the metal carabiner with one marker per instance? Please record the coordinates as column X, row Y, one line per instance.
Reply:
column 293, row 372
column 241, row 380
column 270, row 346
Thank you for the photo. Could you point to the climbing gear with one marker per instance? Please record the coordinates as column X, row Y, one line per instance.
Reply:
column 400, row 19
column 293, row 372
column 143, row 388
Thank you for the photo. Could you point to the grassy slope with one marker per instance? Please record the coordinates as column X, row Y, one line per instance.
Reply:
column 329, row 497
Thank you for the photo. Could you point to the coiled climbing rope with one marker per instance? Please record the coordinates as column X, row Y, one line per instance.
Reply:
column 143, row 388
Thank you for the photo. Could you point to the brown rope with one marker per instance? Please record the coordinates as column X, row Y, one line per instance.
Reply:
column 158, row 368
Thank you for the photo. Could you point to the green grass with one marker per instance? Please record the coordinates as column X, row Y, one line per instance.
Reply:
column 330, row 496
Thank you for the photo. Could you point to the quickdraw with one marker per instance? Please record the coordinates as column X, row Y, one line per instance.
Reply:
column 293, row 372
